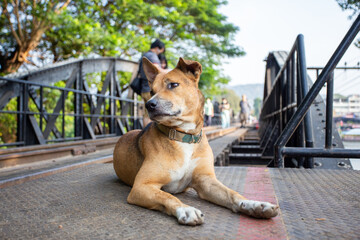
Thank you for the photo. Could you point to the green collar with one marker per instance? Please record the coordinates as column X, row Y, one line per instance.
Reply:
column 179, row 136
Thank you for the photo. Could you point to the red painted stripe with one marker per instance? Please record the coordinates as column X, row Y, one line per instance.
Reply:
column 258, row 186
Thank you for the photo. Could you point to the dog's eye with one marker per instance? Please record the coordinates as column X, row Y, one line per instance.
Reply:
column 172, row 85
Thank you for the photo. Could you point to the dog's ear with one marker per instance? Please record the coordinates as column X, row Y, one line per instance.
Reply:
column 151, row 71
column 189, row 66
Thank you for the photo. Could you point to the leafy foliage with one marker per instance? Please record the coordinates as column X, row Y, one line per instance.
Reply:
column 34, row 33
column 23, row 24
column 193, row 29
column 354, row 6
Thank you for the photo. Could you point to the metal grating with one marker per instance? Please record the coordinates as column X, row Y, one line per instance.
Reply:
column 90, row 203
column 319, row 204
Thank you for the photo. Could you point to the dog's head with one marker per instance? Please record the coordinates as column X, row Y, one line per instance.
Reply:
column 176, row 99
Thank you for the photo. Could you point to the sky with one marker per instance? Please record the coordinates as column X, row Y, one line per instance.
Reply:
column 274, row 25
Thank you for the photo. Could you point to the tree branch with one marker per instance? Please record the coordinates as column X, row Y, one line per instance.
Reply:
column 7, row 14
column 58, row 10
column 16, row 10
column 34, row 21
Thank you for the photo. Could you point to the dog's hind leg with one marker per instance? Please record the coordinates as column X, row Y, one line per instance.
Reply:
column 210, row 189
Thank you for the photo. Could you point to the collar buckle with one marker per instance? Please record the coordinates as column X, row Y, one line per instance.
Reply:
column 192, row 139
column 172, row 134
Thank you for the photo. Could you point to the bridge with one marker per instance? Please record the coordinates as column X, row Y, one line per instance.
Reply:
column 57, row 180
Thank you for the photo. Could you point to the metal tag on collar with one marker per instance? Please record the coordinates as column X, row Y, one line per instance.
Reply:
column 200, row 137
column 196, row 139
column 172, row 134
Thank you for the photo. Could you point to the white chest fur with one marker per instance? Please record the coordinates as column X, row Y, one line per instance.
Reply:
column 181, row 177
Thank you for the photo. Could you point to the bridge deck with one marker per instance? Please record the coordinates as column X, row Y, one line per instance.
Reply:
column 219, row 139
column 90, row 203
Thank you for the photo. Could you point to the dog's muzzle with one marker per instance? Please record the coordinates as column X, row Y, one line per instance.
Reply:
column 152, row 104
column 160, row 108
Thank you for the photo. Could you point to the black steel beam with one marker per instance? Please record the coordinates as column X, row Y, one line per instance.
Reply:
column 314, row 91
column 320, row 152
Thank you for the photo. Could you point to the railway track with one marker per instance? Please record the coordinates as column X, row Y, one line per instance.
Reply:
column 18, row 165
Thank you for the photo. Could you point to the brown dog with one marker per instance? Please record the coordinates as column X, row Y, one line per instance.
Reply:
column 171, row 154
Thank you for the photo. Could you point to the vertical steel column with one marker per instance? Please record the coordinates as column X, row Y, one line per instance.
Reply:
column 309, row 142
column 292, row 89
column 136, row 107
column 41, row 108
column 288, row 92
column 25, row 100
column 281, row 91
column 329, row 110
column 20, row 115
column 112, row 100
column 104, row 115
column 78, row 104
column 63, row 113
column 300, row 139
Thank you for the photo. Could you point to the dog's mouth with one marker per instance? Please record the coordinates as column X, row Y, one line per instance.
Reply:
column 160, row 114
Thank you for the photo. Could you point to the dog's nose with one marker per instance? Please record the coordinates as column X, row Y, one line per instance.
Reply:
column 151, row 104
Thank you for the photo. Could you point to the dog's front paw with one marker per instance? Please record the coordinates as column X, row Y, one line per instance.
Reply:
column 189, row 216
column 258, row 209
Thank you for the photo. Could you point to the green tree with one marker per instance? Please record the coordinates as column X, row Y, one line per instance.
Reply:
column 354, row 7
column 22, row 26
column 193, row 29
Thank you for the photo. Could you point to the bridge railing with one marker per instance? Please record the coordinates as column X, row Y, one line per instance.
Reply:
column 57, row 104
column 282, row 95
column 280, row 100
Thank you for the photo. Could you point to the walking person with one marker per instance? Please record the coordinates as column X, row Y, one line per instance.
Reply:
column 208, row 112
column 156, row 48
column 225, row 113
column 245, row 111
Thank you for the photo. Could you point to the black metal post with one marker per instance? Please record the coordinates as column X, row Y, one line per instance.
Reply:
column 329, row 110
column 288, row 93
column 315, row 89
column 112, row 101
column 281, row 96
column 41, row 108
column 25, row 100
column 309, row 142
column 78, row 104
column 63, row 113
column 300, row 138
column 20, row 115
column 293, row 89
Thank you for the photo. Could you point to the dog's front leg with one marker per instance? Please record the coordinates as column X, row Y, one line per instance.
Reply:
column 152, row 197
column 210, row 189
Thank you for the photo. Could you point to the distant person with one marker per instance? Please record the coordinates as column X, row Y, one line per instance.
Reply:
column 216, row 107
column 245, row 111
column 156, row 48
column 225, row 113
column 208, row 111
column 217, row 118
